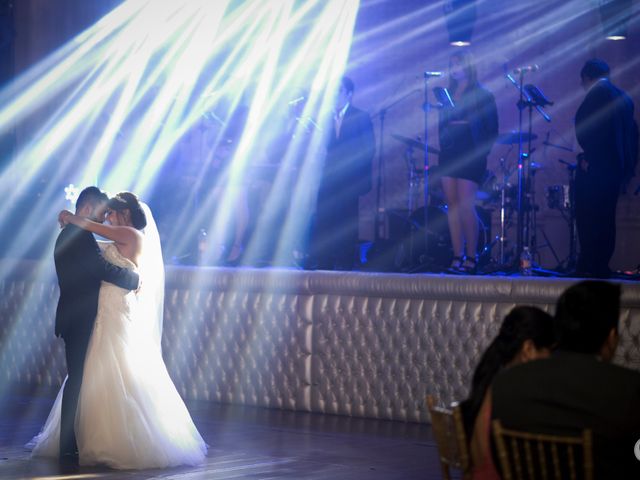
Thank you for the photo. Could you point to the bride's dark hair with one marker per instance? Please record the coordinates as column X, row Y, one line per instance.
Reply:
column 129, row 201
column 521, row 324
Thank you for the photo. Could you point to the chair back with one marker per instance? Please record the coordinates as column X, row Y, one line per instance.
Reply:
column 448, row 430
column 529, row 456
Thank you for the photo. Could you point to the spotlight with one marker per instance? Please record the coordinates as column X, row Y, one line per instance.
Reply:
column 614, row 15
column 460, row 16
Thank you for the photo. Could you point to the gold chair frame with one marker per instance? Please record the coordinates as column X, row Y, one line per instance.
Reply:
column 544, row 452
column 448, row 430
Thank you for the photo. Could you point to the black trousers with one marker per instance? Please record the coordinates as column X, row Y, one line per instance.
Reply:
column 76, row 344
column 596, row 201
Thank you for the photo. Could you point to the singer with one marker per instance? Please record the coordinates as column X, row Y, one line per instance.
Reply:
column 467, row 133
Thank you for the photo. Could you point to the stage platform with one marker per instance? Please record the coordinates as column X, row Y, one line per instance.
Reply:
column 346, row 343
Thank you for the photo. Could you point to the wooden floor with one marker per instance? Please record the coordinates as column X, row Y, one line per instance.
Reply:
column 246, row 442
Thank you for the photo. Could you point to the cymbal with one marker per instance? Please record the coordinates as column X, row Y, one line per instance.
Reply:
column 513, row 137
column 410, row 142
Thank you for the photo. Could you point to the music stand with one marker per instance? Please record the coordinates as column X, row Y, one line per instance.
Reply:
column 530, row 97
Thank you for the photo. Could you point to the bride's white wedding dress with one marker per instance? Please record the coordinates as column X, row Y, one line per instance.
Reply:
column 130, row 415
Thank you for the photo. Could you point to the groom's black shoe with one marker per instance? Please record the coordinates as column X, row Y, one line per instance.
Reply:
column 68, row 460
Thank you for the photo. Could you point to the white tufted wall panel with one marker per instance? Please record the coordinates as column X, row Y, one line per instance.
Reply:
column 358, row 344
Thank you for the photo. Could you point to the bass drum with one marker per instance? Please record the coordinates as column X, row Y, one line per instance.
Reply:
column 439, row 253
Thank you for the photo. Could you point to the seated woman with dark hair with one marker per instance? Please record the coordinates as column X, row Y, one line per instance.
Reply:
column 526, row 334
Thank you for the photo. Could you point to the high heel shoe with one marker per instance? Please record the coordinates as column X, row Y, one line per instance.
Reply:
column 456, row 264
column 469, row 266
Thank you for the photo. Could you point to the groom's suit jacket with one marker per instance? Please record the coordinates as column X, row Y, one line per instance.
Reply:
column 80, row 268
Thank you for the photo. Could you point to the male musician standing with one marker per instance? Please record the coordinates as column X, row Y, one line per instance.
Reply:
column 608, row 135
column 345, row 177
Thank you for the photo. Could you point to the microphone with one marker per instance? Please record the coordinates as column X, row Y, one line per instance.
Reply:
column 432, row 74
column 527, row 68
column 443, row 97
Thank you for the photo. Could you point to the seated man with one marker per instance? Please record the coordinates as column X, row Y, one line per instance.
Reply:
column 577, row 387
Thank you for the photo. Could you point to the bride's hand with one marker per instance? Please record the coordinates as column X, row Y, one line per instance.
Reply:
column 63, row 217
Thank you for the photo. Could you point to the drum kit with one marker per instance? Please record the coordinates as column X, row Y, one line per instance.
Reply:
column 497, row 193
column 434, row 251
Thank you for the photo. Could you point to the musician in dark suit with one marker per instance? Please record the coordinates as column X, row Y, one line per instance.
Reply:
column 80, row 268
column 578, row 387
column 346, row 176
column 608, row 134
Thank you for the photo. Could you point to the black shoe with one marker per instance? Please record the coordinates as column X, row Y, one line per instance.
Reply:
column 456, row 264
column 69, row 460
column 469, row 266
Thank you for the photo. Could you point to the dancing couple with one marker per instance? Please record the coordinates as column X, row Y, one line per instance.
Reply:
column 118, row 406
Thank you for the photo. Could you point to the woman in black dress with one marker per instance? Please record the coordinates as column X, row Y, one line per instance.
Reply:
column 467, row 132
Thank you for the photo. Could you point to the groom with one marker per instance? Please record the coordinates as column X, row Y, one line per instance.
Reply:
column 80, row 268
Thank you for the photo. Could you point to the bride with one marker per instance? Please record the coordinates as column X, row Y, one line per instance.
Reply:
column 130, row 415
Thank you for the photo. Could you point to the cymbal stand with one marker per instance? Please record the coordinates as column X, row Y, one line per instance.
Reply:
column 529, row 205
column 503, row 210
column 503, row 187
column 379, row 217
column 427, row 263
column 531, row 212
column 380, row 187
column 414, row 184
column 425, row 190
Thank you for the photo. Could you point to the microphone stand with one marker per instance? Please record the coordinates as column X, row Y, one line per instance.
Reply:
column 425, row 189
column 380, row 208
column 525, row 101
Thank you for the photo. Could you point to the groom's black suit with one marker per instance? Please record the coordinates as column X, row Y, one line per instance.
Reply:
column 80, row 268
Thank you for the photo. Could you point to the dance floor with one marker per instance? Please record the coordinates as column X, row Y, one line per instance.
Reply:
column 247, row 442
